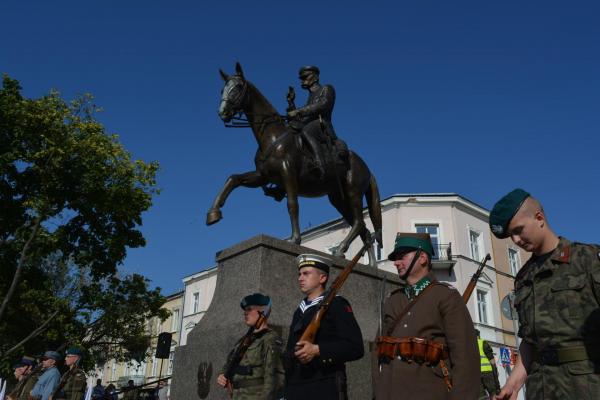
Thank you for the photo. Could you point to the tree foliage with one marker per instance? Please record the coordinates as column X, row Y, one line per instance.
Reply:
column 72, row 200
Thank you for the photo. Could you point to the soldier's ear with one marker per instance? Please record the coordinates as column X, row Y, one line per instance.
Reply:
column 224, row 76
column 238, row 70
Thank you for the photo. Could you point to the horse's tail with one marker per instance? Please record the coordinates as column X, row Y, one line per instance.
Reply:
column 374, row 204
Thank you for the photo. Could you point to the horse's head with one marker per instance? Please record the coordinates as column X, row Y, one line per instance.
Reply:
column 234, row 93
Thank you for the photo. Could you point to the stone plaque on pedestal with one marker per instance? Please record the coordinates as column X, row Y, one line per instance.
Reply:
column 267, row 265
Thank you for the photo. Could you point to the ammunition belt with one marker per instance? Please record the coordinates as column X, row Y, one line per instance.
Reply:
column 411, row 349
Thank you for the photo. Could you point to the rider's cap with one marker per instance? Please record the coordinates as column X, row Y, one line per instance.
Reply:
column 255, row 299
column 409, row 241
column 313, row 260
column 504, row 211
column 308, row 69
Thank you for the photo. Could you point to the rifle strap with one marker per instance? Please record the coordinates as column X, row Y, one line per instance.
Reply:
column 409, row 306
column 447, row 379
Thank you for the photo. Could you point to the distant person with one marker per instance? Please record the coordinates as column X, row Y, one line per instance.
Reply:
column 131, row 392
column 98, row 392
column 490, row 385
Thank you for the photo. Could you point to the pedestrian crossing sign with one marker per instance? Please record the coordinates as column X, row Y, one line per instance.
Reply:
column 505, row 356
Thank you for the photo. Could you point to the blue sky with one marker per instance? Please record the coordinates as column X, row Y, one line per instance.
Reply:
column 475, row 98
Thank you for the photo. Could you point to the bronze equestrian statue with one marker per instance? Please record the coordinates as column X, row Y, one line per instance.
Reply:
column 288, row 165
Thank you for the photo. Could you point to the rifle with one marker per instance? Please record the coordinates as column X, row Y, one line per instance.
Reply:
column 238, row 353
column 311, row 330
column 475, row 278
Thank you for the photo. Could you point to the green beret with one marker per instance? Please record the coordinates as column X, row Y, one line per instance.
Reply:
column 408, row 241
column 255, row 299
column 504, row 210
column 313, row 260
column 309, row 69
column 74, row 351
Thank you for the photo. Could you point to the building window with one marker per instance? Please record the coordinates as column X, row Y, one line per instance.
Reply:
column 514, row 261
column 170, row 367
column 196, row 302
column 482, row 306
column 174, row 320
column 475, row 243
column 434, row 233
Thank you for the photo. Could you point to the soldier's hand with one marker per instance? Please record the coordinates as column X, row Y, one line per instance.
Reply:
column 221, row 380
column 507, row 393
column 292, row 114
column 306, row 351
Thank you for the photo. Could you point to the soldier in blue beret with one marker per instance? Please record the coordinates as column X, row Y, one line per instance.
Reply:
column 72, row 384
column 317, row 370
column 557, row 297
column 259, row 374
column 439, row 358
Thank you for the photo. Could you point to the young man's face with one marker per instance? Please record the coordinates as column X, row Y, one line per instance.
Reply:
column 525, row 230
column 402, row 263
column 71, row 359
column 310, row 279
column 48, row 362
column 251, row 315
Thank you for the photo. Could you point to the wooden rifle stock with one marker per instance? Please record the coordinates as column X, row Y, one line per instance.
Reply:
column 311, row 330
column 471, row 286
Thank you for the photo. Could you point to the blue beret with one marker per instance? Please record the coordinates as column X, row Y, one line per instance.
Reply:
column 409, row 241
column 313, row 260
column 74, row 351
column 504, row 211
column 255, row 299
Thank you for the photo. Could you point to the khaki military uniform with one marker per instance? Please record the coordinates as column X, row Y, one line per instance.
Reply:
column 557, row 297
column 75, row 385
column 439, row 315
column 260, row 375
column 21, row 392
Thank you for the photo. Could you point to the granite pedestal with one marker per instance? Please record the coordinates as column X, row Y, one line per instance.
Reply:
column 267, row 265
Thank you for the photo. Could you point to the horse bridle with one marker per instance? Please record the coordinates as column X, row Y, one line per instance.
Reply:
column 238, row 120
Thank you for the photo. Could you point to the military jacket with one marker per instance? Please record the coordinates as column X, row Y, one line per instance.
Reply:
column 260, row 374
column 320, row 103
column 557, row 298
column 439, row 315
column 339, row 339
column 75, row 385
column 21, row 391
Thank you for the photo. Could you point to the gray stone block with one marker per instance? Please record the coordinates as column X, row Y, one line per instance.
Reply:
column 265, row 264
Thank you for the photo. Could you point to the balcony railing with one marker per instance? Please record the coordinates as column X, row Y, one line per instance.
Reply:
column 442, row 252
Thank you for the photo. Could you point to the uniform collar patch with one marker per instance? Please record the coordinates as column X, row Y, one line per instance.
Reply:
column 562, row 254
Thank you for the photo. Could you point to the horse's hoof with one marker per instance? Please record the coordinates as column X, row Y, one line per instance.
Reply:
column 213, row 216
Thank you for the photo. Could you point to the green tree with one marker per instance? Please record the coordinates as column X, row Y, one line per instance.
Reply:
column 72, row 200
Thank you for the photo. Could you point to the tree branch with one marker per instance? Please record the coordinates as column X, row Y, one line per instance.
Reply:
column 22, row 258
column 33, row 334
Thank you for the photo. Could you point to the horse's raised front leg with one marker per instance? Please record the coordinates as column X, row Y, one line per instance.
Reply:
column 251, row 179
column 355, row 215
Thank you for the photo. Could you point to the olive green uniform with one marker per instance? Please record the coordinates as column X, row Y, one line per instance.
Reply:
column 260, row 375
column 75, row 385
column 557, row 297
column 21, row 391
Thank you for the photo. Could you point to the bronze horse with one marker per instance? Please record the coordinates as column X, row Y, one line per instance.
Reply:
column 281, row 167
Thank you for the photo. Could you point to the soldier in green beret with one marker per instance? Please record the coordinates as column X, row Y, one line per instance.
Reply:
column 427, row 349
column 557, row 297
column 259, row 375
column 72, row 384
